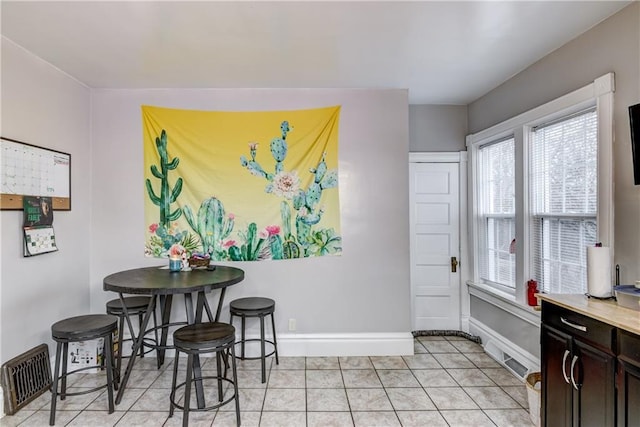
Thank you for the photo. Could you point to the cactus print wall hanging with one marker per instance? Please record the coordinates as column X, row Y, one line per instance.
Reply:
column 242, row 186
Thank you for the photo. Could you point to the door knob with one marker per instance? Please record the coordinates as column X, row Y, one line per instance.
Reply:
column 454, row 264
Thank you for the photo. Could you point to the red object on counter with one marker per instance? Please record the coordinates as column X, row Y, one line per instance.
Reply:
column 532, row 289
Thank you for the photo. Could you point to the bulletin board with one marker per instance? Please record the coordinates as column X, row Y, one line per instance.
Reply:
column 29, row 170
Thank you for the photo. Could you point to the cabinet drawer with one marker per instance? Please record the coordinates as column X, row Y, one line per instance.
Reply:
column 579, row 326
column 629, row 345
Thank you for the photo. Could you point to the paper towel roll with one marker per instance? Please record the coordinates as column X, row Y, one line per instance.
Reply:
column 599, row 271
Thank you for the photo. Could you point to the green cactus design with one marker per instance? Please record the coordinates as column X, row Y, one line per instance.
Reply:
column 285, row 214
column 325, row 242
column 308, row 213
column 166, row 197
column 253, row 249
column 290, row 249
column 276, row 246
column 278, row 148
column 211, row 225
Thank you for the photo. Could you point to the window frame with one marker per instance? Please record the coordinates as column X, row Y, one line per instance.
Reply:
column 482, row 215
column 599, row 93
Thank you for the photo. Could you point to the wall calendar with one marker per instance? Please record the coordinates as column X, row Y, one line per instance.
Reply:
column 39, row 237
column 29, row 170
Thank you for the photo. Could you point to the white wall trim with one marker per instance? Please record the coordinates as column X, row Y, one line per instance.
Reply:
column 438, row 157
column 363, row 344
column 466, row 261
column 505, row 302
column 491, row 340
column 604, row 87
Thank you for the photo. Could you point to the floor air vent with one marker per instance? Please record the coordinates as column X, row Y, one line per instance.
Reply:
column 506, row 360
column 25, row 377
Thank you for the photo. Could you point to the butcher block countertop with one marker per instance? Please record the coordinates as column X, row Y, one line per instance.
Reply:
column 607, row 311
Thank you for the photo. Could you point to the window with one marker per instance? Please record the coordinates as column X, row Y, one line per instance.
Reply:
column 563, row 190
column 542, row 192
column 496, row 219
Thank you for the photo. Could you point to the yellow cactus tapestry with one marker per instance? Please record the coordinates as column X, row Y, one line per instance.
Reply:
column 241, row 186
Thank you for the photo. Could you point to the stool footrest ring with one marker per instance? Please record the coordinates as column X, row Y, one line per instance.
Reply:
column 208, row 408
column 148, row 343
column 255, row 357
column 78, row 393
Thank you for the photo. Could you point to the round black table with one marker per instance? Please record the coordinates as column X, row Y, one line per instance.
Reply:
column 160, row 281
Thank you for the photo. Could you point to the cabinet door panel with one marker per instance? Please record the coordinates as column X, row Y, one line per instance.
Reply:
column 556, row 393
column 594, row 374
column 629, row 393
column 628, row 379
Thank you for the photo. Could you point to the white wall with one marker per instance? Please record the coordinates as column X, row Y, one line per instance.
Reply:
column 366, row 290
column 44, row 107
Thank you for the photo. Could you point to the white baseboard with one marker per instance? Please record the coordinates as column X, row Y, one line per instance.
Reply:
column 363, row 344
column 464, row 324
column 494, row 343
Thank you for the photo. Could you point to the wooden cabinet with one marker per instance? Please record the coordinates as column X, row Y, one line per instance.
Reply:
column 558, row 397
column 578, row 370
column 628, row 379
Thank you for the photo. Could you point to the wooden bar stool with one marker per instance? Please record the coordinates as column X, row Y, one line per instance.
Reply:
column 197, row 339
column 255, row 307
column 136, row 306
column 76, row 329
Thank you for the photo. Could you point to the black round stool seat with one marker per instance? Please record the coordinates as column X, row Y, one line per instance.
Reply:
column 204, row 335
column 194, row 340
column 253, row 306
column 86, row 327
column 132, row 303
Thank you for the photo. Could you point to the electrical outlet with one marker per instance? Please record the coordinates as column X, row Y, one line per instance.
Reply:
column 292, row 325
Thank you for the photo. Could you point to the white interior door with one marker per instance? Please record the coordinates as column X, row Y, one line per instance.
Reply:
column 435, row 239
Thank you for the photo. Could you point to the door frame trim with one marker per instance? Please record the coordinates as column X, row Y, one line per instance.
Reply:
column 465, row 269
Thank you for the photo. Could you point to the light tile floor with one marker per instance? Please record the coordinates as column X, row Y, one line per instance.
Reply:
column 449, row 381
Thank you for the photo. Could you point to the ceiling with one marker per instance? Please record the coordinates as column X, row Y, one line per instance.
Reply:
column 447, row 52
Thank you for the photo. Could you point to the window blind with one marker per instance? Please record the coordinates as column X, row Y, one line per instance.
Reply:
column 496, row 219
column 563, row 189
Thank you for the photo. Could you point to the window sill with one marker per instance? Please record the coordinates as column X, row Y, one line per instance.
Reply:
column 504, row 301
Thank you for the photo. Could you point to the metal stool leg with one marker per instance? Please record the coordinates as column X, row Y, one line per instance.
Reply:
column 262, row 351
column 173, row 384
column 65, row 351
column 120, row 346
column 108, row 343
column 242, row 318
column 139, row 332
column 235, row 383
column 54, row 386
column 155, row 324
column 187, row 391
column 275, row 342
column 219, row 373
